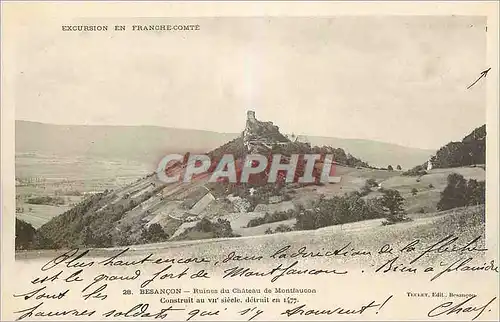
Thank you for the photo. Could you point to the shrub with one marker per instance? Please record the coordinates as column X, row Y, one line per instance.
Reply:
column 282, row 228
column 371, row 182
column 367, row 188
column 416, row 171
column 414, row 191
column 274, row 217
column 153, row 234
column 218, row 229
column 431, row 186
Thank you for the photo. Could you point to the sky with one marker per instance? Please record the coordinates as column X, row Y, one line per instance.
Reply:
column 397, row 79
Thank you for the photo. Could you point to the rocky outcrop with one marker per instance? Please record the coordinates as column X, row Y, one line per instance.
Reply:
column 258, row 134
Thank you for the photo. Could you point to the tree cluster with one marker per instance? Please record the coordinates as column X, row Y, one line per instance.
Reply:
column 460, row 192
column 338, row 210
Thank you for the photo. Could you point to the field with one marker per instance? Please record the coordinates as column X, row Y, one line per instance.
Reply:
column 428, row 186
column 69, row 178
column 37, row 215
column 65, row 178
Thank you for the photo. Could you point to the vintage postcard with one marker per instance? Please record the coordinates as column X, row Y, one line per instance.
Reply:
column 257, row 161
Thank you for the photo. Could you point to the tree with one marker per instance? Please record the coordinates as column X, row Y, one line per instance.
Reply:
column 455, row 193
column 460, row 192
column 154, row 234
column 398, row 167
column 475, row 192
column 390, row 168
column 414, row 191
column 43, row 242
column 306, row 220
column 87, row 237
column 25, row 234
column 392, row 204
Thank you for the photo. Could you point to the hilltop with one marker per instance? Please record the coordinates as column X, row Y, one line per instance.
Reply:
column 148, row 209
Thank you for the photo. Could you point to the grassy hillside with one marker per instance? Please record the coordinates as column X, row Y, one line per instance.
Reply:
column 421, row 194
column 466, row 223
column 428, row 187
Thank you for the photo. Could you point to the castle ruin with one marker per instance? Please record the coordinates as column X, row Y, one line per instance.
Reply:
column 251, row 116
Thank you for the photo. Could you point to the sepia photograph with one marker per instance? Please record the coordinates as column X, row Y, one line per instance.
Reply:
column 260, row 152
column 407, row 138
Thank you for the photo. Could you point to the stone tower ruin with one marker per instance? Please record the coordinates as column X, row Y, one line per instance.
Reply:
column 251, row 116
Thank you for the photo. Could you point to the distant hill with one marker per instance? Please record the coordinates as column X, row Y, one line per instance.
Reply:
column 376, row 153
column 147, row 144
column 149, row 210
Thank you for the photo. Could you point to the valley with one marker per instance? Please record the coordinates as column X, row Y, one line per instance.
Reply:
column 97, row 202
